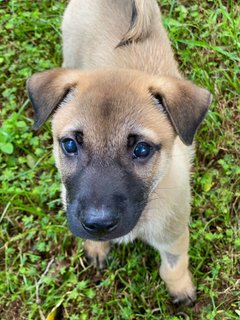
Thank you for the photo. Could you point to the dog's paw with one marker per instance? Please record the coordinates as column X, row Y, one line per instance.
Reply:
column 182, row 290
column 184, row 300
column 96, row 252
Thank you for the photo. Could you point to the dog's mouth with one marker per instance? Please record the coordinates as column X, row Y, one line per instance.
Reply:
column 102, row 225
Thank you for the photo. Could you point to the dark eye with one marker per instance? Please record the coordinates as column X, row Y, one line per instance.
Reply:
column 142, row 150
column 69, row 146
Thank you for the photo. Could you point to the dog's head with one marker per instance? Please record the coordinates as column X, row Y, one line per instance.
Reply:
column 113, row 135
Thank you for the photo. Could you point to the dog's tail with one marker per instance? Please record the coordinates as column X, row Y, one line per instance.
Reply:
column 140, row 26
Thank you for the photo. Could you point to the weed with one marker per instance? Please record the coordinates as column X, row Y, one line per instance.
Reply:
column 34, row 237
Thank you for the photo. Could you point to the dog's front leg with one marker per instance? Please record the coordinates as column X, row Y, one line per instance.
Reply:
column 174, row 270
column 96, row 252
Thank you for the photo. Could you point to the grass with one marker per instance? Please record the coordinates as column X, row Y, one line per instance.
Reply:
column 206, row 39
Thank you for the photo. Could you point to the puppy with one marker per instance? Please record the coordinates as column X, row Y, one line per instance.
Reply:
column 123, row 122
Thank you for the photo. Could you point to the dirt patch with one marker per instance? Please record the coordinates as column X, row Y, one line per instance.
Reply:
column 12, row 311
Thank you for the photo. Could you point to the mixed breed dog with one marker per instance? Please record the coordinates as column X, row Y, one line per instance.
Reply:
column 123, row 123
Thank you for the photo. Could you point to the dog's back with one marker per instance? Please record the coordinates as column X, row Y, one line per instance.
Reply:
column 121, row 33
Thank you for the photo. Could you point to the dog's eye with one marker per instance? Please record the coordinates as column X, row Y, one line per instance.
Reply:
column 69, row 146
column 142, row 150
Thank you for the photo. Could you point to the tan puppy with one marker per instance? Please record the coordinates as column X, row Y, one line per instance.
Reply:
column 123, row 131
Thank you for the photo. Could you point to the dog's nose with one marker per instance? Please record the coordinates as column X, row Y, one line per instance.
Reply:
column 99, row 222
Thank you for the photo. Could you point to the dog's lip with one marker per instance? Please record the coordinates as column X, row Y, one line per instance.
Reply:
column 102, row 239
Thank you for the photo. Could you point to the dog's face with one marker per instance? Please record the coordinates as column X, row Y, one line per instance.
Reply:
column 113, row 136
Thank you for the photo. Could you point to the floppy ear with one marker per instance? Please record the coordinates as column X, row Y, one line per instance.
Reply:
column 46, row 90
column 185, row 104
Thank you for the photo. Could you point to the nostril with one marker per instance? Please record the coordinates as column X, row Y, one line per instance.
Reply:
column 89, row 226
column 111, row 226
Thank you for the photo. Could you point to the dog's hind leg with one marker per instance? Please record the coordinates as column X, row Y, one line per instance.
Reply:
column 96, row 252
column 175, row 273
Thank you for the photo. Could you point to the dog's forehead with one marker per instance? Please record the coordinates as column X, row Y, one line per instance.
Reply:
column 109, row 108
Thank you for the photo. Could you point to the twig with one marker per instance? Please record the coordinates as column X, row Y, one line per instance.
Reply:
column 38, row 283
column 6, row 208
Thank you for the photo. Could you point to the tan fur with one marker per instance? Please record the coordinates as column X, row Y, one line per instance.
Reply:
column 97, row 251
column 141, row 27
column 91, row 35
column 177, row 276
column 114, row 100
column 128, row 116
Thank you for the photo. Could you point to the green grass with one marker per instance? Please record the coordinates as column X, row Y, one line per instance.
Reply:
column 206, row 39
